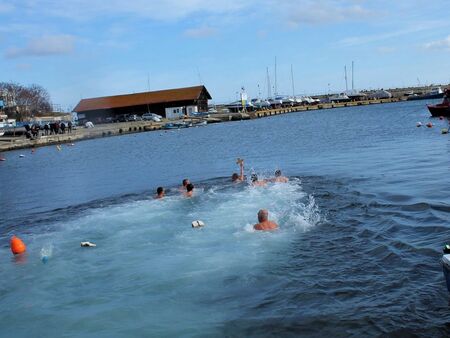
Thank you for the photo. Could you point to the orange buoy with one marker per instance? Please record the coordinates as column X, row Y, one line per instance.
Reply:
column 17, row 246
column 429, row 124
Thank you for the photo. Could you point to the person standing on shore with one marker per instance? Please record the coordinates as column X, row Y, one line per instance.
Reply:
column 239, row 178
column 160, row 193
column 69, row 126
column 264, row 223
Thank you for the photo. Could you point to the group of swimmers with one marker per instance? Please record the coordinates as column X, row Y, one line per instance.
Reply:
column 264, row 223
column 187, row 189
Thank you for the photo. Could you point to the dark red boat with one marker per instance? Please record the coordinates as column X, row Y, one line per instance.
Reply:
column 441, row 109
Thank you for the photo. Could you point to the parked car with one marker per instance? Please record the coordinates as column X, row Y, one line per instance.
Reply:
column 134, row 117
column 122, row 118
column 200, row 114
column 151, row 117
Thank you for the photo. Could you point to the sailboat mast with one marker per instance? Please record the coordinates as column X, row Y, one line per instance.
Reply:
column 269, row 92
column 345, row 74
column 353, row 85
column 276, row 89
column 292, row 79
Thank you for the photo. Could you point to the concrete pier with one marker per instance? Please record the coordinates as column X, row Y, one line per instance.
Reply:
column 117, row 129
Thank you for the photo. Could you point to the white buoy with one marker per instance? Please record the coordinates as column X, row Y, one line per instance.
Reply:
column 198, row 224
column 419, row 124
column 88, row 244
column 21, row 155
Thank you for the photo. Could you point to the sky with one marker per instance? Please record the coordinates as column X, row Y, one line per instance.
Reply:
column 88, row 48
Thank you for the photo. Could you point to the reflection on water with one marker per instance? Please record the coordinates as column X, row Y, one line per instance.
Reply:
column 362, row 221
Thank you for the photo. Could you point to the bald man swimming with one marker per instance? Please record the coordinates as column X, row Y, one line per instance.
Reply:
column 264, row 223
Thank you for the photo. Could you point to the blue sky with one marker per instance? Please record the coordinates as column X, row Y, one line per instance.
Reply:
column 88, row 48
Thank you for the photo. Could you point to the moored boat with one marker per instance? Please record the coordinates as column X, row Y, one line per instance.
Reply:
column 199, row 123
column 441, row 109
column 175, row 125
column 435, row 93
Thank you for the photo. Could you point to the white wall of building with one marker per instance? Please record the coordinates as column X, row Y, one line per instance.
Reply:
column 174, row 112
column 191, row 109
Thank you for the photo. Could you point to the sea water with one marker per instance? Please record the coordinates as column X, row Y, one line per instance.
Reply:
column 362, row 221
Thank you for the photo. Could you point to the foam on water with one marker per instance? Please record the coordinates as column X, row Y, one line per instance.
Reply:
column 149, row 260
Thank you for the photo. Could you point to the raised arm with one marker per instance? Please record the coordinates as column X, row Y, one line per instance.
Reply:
column 241, row 166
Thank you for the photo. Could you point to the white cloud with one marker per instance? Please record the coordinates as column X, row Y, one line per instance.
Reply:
column 23, row 66
column 413, row 29
column 385, row 49
column 6, row 7
column 162, row 10
column 439, row 44
column 320, row 11
column 200, row 32
column 43, row 46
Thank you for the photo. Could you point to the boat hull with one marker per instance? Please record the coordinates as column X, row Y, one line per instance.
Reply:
column 426, row 97
column 439, row 110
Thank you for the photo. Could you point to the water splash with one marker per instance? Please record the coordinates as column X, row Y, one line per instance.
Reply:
column 46, row 253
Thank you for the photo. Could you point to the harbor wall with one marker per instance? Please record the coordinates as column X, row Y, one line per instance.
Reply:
column 118, row 129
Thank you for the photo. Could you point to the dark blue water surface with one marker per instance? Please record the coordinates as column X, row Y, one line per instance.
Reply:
column 362, row 224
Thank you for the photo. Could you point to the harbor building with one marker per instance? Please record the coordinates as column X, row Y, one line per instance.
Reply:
column 170, row 103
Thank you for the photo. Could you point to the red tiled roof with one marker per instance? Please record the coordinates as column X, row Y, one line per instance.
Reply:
column 128, row 100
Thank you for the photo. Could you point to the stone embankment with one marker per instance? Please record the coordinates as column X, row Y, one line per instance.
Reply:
column 117, row 129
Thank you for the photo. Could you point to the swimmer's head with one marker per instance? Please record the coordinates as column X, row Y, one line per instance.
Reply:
column 190, row 187
column 277, row 173
column 254, row 177
column 234, row 177
column 186, row 182
column 160, row 190
column 263, row 215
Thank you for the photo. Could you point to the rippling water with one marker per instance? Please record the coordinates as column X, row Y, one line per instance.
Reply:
column 362, row 222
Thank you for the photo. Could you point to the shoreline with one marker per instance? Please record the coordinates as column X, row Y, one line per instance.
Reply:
column 124, row 128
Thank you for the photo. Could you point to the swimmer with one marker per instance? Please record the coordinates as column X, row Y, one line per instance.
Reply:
column 160, row 193
column 239, row 178
column 256, row 182
column 264, row 223
column 279, row 178
column 185, row 183
column 189, row 190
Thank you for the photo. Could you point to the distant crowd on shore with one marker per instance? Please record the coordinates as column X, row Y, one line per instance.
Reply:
column 53, row 128
column 187, row 189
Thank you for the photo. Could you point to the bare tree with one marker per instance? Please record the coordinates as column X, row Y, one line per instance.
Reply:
column 23, row 102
